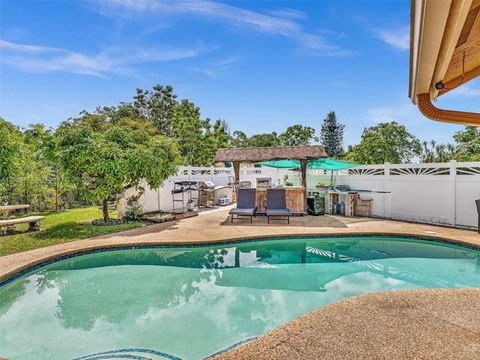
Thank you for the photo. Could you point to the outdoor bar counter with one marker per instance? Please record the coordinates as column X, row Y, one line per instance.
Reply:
column 294, row 195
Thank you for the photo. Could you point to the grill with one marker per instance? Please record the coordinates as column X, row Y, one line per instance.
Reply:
column 182, row 190
column 211, row 195
column 264, row 182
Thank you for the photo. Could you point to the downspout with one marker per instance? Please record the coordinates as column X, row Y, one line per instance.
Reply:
column 450, row 116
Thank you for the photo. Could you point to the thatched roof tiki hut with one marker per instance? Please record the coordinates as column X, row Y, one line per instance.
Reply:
column 302, row 153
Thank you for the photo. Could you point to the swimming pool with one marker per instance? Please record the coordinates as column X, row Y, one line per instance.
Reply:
column 191, row 302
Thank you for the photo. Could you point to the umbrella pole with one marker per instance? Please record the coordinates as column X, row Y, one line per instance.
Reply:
column 331, row 180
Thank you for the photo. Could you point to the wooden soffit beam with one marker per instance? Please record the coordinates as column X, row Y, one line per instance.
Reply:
column 428, row 23
column 465, row 61
column 458, row 13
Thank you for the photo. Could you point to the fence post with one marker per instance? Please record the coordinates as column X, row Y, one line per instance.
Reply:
column 189, row 172
column 386, row 187
column 212, row 171
column 453, row 192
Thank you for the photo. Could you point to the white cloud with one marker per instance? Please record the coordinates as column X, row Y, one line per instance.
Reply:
column 317, row 42
column 339, row 83
column 289, row 13
column 26, row 48
column 224, row 12
column 465, row 90
column 42, row 59
column 338, row 34
column 403, row 113
column 215, row 69
column 399, row 38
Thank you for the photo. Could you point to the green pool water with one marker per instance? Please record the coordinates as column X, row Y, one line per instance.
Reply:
column 188, row 303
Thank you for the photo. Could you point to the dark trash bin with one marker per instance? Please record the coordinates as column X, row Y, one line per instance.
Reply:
column 316, row 205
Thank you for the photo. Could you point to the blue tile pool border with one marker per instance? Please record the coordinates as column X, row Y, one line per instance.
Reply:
column 233, row 346
column 114, row 354
column 80, row 253
column 124, row 352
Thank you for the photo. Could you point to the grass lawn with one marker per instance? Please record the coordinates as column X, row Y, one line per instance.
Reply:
column 61, row 227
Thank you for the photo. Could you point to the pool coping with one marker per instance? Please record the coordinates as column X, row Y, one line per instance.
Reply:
column 64, row 254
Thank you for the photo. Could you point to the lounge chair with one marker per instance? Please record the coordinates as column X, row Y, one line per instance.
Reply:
column 276, row 204
column 245, row 204
column 478, row 213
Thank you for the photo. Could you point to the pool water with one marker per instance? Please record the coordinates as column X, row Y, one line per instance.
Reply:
column 190, row 302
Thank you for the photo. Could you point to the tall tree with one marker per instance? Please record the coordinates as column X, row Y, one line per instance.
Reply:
column 28, row 179
column 264, row 140
column 239, row 139
column 109, row 116
column 331, row 135
column 156, row 105
column 468, row 142
column 10, row 152
column 10, row 144
column 189, row 129
column 221, row 134
column 385, row 142
column 33, row 186
column 103, row 164
column 297, row 135
column 57, row 190
column 433, row 152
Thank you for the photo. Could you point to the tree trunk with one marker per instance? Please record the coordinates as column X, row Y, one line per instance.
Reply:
column 56, row 188
column 26, row 191
column 9, row 192
column 105, row 210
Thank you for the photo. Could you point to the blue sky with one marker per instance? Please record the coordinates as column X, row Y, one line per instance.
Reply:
column 260, row 65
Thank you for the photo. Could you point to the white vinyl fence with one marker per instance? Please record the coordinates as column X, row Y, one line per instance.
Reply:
column 440, row 193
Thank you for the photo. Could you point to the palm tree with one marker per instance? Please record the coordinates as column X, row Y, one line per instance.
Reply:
column 433, row 152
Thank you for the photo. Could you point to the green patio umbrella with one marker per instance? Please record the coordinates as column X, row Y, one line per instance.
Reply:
column 324, row 164
column 281, row 164
column 328, row 164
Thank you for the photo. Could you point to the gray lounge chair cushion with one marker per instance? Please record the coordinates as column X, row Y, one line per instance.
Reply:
column 276, row 199
column 246, row 198
column 279, row 212
column 276, row 203
column 245, row 203
column 246, row 212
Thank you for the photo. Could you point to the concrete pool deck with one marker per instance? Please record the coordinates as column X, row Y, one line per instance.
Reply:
column 420, row 324
column 410, row 324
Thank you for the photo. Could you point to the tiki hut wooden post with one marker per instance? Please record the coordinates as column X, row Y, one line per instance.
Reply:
column 236, row 170
column 248, row 154
column 303, row 169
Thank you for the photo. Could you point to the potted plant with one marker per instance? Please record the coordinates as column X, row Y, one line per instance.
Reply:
column 286, row 182
column 322, row 186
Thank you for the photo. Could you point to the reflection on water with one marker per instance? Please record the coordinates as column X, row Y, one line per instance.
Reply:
column 192, row 302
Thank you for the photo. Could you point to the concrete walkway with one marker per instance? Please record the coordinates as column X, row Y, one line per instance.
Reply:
column 214, row 226
column 412, row 324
